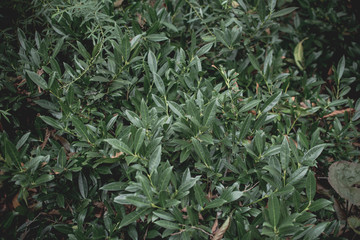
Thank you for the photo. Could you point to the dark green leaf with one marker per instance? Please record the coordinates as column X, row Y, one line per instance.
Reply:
column 52, row 122
column 44, row 179
column 249, row 106
column 12, row 156
column 167, row 224
column 271, row 102
column 274, row 210
column 83, row 185
column 119, row 145
column 114, row 186
column 283, row 12
column 159, row 83
column 310, row 186
column 204, row 49
column 152, row 62
column 254, row 62
column 285, row 153
column 155, row 159
column 37, row 79
column 209, row 113
column 133, row 216
column 22, row 140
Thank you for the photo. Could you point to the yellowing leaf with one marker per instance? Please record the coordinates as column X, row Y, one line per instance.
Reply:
column 299, row 55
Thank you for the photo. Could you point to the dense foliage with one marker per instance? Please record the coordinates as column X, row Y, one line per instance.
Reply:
column 179, row 119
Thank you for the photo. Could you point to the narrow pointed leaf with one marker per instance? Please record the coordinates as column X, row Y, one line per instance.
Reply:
column 132, row 217
column 271, row 102
column 159, row 83
column 37, row 79
column 283, row 12
column 274, row 210
column 155, row 159
column 310, row 186
column 209, row 113
column 119, row 145
column 152, row 62
column 81, row 128
column 254, row 62
column 22, row 140
column 285, row 154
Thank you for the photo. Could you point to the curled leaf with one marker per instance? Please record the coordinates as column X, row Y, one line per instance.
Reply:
column 221, row 231
column 299, row 55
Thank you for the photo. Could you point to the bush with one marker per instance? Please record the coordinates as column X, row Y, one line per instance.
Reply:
column 178, row 119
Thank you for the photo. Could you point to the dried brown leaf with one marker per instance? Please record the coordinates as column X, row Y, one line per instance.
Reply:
column 221, row 231
column 337, row 112
column 118, row 3
column 15, row 201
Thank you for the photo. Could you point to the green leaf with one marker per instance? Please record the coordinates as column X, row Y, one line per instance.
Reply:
column 313, row 153
column 218, row 202
column 299, row 55
column 250, row 105
column 138, row 201
column 245, row 127
column 156, row 37
column 38, row 80
column 99, row 79
column 12, row 156
column 283, row 12
column 114, row 186
column 199, row 195
column 133, row 216
column 297, row 175
column 285, row 153
column 133, row 118
column 139, row 138
column 58, row 46
column 176, row 109
column 155, row 159
column 22, row 140
column 80, row 128
column 204, row 49
column 119, row 145
column 167, row 224
column 310, row 186
column 159, row 83
column 111, row 122
column 44, row 179
column 165, row 178
column 164, row 215
column 145, row 185
column 274, row 210
column 125, row 48
column 61, row 158
column 52, row 122
column 83, row 185
column 340, row 68
column 254, row 62
column 199, row 149
column 271, row 102
column 319, row 204
column 152, row 62
column 82, row 50
column 210, row 112
column 316, row 231
column 47, row 104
